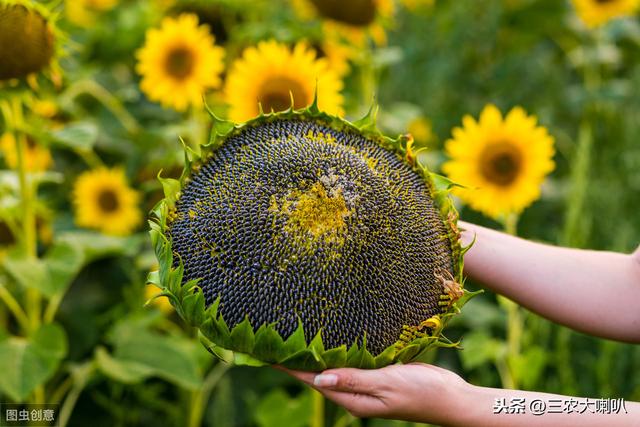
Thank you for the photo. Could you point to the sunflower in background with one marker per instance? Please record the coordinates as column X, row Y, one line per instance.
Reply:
column 339, row 55
column 352, row 20
column 179, row 62
column 421, row 129
column 36, row 157
column 85, row 12
column 269, row 74
column 160, row 302
column 27, row 42
column 104, row 201
column 501, row 161
column 598, row 12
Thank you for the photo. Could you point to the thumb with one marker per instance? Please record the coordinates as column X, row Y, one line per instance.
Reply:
column 361, row 381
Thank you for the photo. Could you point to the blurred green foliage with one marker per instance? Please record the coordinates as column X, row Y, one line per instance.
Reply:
column 110, row 361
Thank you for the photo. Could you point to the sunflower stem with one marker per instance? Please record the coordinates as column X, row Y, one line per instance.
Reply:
column 15, row 122
column 367, row 80
column 80, row 377
column 109, row 101
column 506, row 367
column 199, row 398
column 317, row 417
column 15, row 308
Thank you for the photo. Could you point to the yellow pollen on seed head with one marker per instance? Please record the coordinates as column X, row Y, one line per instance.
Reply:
column 314, row 212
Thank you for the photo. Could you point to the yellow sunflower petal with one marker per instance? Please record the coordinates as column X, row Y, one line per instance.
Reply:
column 179, row 62
column 103, row 201
column 598, row 12
column 270, row 73
column 501, row 160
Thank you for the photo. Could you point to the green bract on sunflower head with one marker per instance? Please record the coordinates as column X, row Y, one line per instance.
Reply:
column 301, row 239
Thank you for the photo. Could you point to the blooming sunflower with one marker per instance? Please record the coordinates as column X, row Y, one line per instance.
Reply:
column 104, row 201
column 179, row 61
column 36, row 157
column 353, row 20
column 599, row 12
column 271, row 73
column 85, row 12
column 502, row 161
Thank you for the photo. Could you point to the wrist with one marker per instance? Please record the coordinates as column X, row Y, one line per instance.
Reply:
column 457, row 398
column 463, row 406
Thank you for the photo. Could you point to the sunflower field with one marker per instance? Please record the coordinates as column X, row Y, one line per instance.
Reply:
column 531, row 107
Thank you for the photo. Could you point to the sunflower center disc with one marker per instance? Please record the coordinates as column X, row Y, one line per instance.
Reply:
column 275, row 95
column 180, row 62
column 292, row 220
column 500, row 163
column 108, row 201
column 353, row 12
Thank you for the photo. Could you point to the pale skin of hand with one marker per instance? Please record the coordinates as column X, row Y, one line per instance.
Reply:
column 586, row 290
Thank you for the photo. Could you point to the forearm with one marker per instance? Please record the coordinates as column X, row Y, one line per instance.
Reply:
column 589, row 291
column 483, row 406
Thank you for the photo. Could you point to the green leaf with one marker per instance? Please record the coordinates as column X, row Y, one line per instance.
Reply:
column 77, row 136
column 96, row 245
column 529, row 365
column 26, row 363
column 64, row 261
column 478, row 348
column 278, row 409
column 124, row 371
column 29, row 272
column 242, row 337
column 165, row 356
column 54, row 273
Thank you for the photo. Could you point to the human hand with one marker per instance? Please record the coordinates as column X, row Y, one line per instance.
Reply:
column 413, row 392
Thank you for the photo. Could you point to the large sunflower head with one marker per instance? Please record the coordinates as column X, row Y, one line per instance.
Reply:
column 271, row 74
column 27, row 40
column 354, row 20
column 36, row 157
column 179, row 62
column 501, row 161
column 598, row 12
column 104, row 201
column 301, row 239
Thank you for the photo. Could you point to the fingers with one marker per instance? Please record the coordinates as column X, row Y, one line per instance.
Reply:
column 359, row 405
column 351, row 380
column 305, row 377
column 357, row 390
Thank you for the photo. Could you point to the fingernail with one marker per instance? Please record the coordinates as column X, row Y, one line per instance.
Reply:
column 325, row 380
